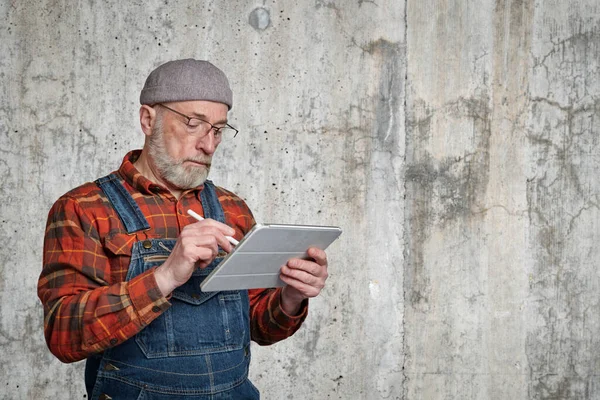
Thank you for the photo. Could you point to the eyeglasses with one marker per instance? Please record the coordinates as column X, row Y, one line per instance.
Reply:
column 199, row 128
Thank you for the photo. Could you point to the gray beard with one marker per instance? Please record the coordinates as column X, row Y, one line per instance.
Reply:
column 171, row 169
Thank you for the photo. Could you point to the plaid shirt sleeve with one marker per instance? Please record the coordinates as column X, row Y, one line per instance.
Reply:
column 84, row 311
column 268, row 322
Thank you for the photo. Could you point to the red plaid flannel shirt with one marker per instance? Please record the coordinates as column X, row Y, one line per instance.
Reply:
column 88, row 305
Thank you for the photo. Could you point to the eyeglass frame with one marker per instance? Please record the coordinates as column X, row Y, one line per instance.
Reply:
column 212, row 127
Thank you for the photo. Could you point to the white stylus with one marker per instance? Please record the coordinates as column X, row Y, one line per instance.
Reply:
column 199, row 218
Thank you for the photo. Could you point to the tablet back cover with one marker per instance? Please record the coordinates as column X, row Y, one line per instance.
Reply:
column 257, row 259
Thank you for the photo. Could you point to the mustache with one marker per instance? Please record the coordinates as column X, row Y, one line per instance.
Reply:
column 199, row 159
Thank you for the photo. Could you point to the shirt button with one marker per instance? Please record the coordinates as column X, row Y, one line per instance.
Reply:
column 113, row 341
column 155, row 309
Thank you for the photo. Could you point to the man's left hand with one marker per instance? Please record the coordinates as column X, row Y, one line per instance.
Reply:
column 304, row 279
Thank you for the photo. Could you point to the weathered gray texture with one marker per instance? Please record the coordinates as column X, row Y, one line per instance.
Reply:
column 455, row 142
column 501, row 275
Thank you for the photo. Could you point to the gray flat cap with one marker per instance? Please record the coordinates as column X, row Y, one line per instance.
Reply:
column 183, row 80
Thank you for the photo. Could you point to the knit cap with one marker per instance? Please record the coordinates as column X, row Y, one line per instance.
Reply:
column 183, row 80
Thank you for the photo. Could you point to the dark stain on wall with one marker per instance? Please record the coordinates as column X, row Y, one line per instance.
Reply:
column 442, row 191
column 390, row 95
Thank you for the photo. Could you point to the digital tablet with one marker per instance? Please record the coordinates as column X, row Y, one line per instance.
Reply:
column 255, row 262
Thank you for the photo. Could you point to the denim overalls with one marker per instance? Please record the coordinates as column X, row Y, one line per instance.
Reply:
column 199, row 348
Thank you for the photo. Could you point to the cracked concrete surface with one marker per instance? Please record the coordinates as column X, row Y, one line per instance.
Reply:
column 456, row 144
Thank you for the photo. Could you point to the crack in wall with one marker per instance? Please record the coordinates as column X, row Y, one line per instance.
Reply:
column 405, row 238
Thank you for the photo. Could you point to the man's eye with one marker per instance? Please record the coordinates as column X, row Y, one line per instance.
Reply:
column 194, row 123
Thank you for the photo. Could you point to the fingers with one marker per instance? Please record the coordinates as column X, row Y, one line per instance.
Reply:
column 306, row 276
column 202, row 230
column 211, row 223
column 305, row 270
column 316, row 267
column 303, row 275
column 199, row 247
column 318, row 255
column 305, row 290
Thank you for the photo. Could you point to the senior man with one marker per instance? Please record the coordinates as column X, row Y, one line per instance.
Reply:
column 123, row 260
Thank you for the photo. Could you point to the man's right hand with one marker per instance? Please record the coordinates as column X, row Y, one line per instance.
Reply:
column 197, row 246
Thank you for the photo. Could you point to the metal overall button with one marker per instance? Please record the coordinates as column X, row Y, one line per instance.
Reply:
column 147, row 244
column 110, row 367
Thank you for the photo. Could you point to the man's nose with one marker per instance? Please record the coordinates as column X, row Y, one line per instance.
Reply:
column 207, row 143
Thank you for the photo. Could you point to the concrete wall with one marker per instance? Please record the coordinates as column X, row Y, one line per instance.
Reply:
column 456, row 142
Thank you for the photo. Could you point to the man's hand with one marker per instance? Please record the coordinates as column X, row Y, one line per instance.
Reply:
column 197, row 246
column 304, row 279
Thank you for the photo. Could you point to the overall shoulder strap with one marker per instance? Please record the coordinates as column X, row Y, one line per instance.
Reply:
column 210, row 202
column 127, row 209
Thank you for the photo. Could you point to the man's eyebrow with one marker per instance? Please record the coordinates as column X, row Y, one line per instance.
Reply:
column 205, row 118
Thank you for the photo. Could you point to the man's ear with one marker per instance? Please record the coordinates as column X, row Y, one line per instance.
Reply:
column 147, row 119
